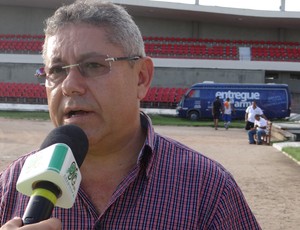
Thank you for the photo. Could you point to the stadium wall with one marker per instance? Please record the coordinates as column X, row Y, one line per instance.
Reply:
column 23, row 20
column 185, row 77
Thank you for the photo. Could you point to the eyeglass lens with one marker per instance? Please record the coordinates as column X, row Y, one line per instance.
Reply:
column 91, row 67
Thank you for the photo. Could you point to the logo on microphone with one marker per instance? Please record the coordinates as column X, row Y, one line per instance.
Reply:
column 72, row 174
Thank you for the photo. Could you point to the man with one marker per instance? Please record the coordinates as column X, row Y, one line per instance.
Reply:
column 259, row 129
column 133, row 178
column 216, row 111
column 228, row 110
column 251, row 111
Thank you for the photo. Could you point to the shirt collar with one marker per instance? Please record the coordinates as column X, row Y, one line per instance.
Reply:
column 145, row 159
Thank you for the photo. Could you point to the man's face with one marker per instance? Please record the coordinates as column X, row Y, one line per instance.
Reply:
column 254, row 104
column 104, row 106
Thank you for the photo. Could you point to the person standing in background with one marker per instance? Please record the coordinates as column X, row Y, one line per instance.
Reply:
column 228, row 110
column 217, row 109
column 251, row 111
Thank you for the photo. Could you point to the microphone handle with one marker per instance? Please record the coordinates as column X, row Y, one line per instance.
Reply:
column 39, row 208
column 41, row 202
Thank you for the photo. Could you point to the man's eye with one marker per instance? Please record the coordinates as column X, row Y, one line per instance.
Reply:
column 56, row 70
column 93, row 65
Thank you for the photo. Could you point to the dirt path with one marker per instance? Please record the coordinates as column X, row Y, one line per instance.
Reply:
column 270, row 181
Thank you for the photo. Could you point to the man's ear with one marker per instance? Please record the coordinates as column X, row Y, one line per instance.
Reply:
column 145, row 76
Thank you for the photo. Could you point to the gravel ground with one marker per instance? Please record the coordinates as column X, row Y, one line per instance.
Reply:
column 269, row 180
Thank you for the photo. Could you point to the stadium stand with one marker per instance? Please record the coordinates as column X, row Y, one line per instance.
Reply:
column 21, row 43
column 158, row 97
column 158, row 47
column 172, row 47
column 175, row 47
column 30, row 93
column 188, row 43
column 24, row 93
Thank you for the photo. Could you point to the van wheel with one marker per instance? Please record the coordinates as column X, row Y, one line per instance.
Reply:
column 194, row 115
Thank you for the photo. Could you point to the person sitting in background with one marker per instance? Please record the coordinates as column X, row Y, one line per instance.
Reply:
column 251, row 111
column 228, row 110
column 259, row 129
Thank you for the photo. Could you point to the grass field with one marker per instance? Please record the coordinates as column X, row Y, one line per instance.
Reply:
column 156, row 119
column 175, row 121
column 25, row 115
column 294, row 152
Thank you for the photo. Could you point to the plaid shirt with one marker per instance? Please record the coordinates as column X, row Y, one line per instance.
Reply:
column 171, row 187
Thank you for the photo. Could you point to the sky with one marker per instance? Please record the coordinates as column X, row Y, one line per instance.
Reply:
column 274, row 5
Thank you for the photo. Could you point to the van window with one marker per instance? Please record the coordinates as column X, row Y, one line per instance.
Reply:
column 194, row 93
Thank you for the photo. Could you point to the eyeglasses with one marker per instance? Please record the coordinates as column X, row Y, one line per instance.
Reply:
column 92, row 67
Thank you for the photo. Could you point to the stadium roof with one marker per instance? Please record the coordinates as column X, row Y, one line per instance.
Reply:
column 190, row 12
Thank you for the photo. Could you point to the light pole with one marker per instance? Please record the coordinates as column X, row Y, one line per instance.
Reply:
column 282, row 6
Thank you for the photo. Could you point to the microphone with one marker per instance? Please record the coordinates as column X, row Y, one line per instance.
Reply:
column 51, row 176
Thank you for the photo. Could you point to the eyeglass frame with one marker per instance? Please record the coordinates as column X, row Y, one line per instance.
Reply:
column 42, row 72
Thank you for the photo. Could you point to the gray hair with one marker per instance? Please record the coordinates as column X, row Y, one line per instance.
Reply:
column 121, row 30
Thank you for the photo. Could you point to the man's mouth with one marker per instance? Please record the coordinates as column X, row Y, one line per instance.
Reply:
column 76, row 113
